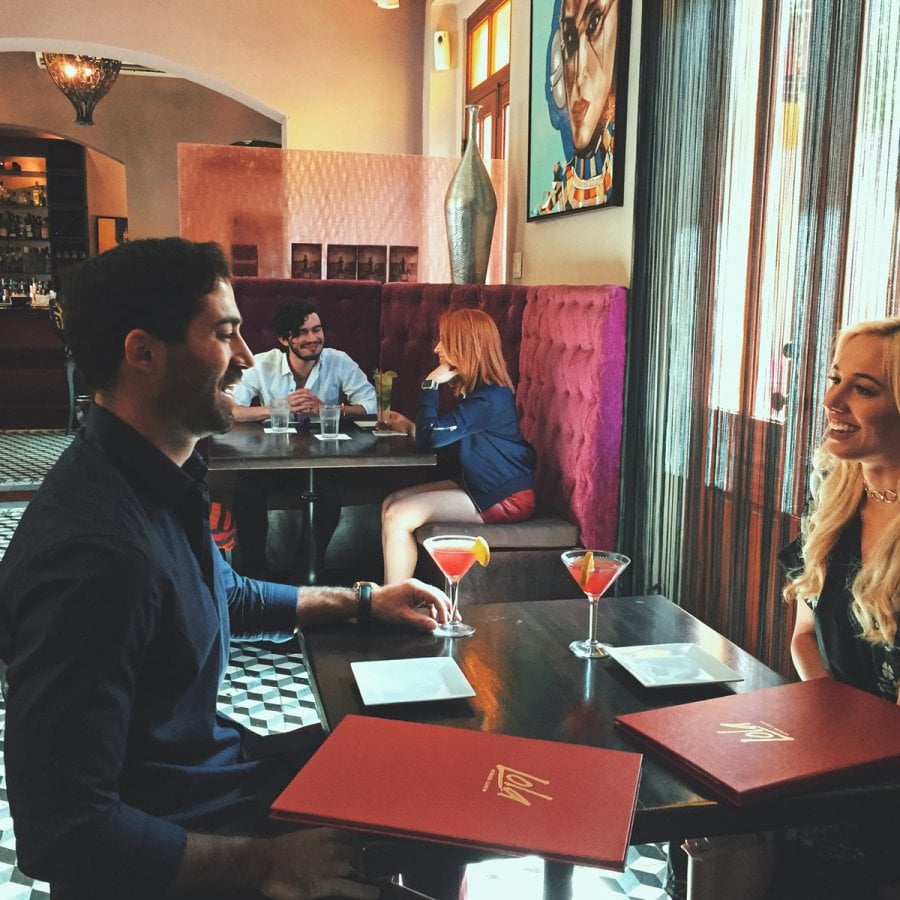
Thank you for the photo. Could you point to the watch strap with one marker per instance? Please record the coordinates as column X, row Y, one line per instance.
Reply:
column 364, row 601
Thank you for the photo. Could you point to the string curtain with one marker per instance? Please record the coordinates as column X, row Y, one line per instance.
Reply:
column 766, row 218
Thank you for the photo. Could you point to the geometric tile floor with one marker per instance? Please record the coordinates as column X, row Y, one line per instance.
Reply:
column 267, row 690
column 27, row 455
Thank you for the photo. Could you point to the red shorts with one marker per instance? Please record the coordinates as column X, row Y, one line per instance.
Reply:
column 516, row 507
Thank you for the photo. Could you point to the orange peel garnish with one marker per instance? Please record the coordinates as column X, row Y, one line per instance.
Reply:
column 481, row 551
column 587, row 567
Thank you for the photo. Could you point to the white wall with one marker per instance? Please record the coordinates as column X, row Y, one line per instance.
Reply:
column 339, row 74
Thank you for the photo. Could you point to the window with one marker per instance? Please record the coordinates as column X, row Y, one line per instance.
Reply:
column 487, row 75
column 768, row 181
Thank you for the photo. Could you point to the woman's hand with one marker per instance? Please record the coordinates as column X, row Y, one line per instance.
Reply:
column 399, row 422
column 442, row 374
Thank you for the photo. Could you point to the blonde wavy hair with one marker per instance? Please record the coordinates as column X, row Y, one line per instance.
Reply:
column 471, row 342
column 837, row 486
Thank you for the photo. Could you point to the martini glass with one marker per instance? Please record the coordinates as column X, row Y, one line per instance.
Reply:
column 454, row 555
column 593, row 575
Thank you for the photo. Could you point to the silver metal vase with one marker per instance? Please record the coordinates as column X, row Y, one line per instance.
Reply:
column 470, row 209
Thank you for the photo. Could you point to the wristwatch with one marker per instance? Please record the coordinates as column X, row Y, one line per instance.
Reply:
column 429, row 384
column 364, row 601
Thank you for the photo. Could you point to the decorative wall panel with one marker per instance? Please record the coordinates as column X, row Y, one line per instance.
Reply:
column 274, row 198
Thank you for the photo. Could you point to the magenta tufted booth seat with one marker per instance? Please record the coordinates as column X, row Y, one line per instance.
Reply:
column 409, row 323
column 350, row 313
column 570, row 397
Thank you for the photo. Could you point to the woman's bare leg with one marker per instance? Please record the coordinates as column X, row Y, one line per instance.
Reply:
column 404, row 511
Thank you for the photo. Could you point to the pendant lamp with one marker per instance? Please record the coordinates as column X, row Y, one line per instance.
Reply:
column 85, row 80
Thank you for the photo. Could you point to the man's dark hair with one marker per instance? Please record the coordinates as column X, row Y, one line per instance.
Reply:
column 290, row 316
column 157, row 285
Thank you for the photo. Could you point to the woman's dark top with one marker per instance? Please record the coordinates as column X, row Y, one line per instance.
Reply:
column 495, row 459
column 872, row 667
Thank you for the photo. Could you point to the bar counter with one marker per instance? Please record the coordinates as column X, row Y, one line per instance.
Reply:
column 33, row 389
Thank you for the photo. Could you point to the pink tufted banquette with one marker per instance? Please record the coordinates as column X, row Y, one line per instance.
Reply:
column 565, row 349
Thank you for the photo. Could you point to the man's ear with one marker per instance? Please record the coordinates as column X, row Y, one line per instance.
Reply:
column 143, row 352
column 283, row 341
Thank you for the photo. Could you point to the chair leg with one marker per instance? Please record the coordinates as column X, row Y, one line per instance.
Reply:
column 70, row 384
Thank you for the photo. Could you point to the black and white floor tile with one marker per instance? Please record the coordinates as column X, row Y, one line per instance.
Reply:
column 27, row 455
column 267, row 690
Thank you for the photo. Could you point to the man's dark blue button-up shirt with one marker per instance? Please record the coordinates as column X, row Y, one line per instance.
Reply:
column 116, row 613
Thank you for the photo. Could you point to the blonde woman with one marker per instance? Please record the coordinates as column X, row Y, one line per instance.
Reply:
column 846, row 562
column 844, row 571
column 496, row 462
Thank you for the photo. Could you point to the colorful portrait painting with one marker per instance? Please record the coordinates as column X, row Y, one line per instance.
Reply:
column 577, row 92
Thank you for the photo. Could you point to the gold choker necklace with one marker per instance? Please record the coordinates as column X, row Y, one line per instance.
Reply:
column 881, row 496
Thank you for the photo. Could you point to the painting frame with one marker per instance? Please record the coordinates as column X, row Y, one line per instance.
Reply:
column 111, row 231
column 576, row 144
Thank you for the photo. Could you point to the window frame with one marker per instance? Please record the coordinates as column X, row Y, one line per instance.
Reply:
column 492, row 94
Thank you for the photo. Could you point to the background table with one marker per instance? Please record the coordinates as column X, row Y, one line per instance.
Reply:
column 248, row 447
column 528, row 683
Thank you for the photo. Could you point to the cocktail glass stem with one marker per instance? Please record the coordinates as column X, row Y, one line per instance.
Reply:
column 593, row 603
column 453, row 594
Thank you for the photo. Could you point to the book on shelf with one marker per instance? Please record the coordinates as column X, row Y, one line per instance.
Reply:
column 475, row 789
column 775, row 741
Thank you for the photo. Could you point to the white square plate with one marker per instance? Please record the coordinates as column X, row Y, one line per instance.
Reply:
column 410, row 680
column 669, row 665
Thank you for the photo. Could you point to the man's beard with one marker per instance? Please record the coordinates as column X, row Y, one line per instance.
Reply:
column 307, row 355
column 201, row 412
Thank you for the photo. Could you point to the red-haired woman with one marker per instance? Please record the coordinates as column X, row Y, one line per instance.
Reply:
column 496, row 462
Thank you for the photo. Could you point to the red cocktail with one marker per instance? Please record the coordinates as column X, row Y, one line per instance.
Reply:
column 454, row 555
column 594, row 571
column 604, row 573
column 454, row 562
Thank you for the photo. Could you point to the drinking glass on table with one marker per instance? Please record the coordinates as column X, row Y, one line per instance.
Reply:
column 454, row 555
column 280, row 415
column 384, row 384
column 330, row 419
column 594, row 571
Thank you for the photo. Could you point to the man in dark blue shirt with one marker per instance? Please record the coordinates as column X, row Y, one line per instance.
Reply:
column 116, row 614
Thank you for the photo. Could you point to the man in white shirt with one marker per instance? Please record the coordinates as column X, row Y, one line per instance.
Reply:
column 309, row 374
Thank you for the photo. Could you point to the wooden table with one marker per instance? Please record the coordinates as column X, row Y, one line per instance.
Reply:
column 247, row 446
column 528, row 683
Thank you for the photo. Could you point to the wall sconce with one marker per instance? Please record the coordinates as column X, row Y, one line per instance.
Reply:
column 388, row 4
column 85, row 80
column 441, row 51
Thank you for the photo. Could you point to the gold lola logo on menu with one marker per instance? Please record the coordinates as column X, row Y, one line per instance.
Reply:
column 750, row 732
column 516, row 785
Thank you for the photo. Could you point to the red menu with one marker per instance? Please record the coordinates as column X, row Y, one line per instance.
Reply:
column 774, row 741
column 476, row 789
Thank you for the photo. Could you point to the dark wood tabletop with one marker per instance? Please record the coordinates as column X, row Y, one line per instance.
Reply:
column 528, row 683
column 248, row 446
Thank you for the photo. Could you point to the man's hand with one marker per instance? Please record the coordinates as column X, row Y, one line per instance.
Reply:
column 313, row 863
column 411, row 602
column 304, row 401
column 306, row 864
